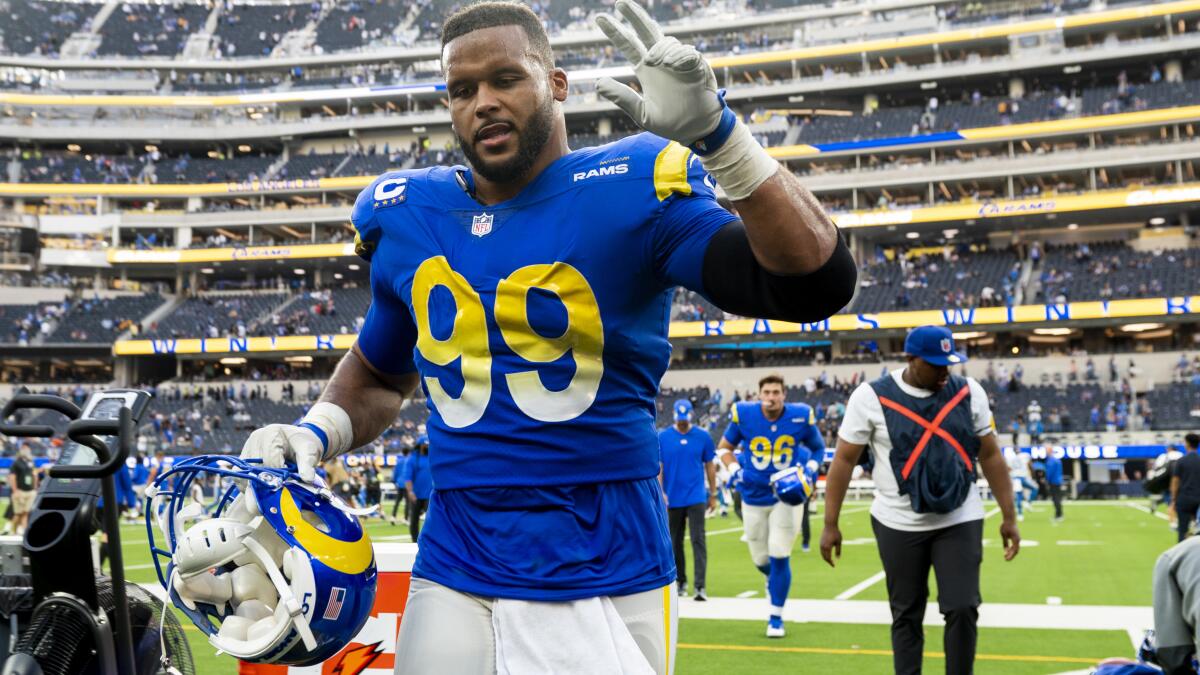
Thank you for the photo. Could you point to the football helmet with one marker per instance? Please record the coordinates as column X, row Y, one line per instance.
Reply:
column 792, row 485
column 281, row 571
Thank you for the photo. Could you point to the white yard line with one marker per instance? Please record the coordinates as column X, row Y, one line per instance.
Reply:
column 860, row 586
column 991, row 615
column 879, row 576
column 1143, row 509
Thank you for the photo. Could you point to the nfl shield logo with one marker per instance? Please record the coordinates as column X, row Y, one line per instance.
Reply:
column 481, row 224
column 946, row 346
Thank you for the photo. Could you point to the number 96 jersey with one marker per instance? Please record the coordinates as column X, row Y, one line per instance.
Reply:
column 539, row 324
column 772, row 445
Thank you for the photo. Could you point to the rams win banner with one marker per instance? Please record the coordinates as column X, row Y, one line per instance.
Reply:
column 373, row 650
column 953, row 318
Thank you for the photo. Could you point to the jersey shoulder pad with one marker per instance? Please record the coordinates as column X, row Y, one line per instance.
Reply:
column 388, row 190
column 740, row 409
column 803, row 412
column 668, row 166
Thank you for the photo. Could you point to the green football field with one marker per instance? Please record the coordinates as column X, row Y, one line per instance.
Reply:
column 1103, row 554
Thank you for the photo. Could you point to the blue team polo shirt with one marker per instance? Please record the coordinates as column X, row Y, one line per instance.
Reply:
column 684, row 457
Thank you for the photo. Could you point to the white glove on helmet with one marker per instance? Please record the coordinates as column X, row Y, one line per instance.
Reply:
column 278, row 444
column 323, row 433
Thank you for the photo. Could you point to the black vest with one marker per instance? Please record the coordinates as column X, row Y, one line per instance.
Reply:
column 937, row 474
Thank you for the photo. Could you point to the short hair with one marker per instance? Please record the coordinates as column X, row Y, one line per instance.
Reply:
column 1192, row 441
column 773, row 378
column 491, row 14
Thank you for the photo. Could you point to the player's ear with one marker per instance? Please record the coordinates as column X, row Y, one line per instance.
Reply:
column 558, row 84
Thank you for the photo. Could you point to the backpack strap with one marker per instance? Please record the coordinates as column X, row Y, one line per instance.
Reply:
column 931, row 428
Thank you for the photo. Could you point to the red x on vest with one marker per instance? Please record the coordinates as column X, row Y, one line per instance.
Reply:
column 931, row 428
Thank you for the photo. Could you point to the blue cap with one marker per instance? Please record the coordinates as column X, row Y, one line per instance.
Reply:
column 422, row 440
column 934, row 344
column 683, row 410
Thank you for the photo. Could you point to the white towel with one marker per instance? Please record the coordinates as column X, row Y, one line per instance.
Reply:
column 582, row 637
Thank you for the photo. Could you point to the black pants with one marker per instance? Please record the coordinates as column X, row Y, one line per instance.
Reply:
column 401, row 498
column 955, row 553
column 1185, row 515
column 415, row 510
column 737, row 502
column 1056, row 496
column 693, row 517
column 805, row 530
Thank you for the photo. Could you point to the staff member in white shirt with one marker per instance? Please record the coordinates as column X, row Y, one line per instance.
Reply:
column 927, row 429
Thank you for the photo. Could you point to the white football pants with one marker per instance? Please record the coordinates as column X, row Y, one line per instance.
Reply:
column 771, row 530
column 446, row 631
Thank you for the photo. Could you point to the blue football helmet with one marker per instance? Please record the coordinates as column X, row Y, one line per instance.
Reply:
column 280, row 572
column 792, row 485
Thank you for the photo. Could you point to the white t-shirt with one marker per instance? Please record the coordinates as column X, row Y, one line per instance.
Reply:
column 864, row 424
column 1018, row 465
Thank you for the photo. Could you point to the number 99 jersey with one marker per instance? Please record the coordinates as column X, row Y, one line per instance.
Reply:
column 770, row 446
column 539, row 324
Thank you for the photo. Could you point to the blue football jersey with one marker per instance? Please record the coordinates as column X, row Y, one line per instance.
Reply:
column 538, row 326
column 770, row 446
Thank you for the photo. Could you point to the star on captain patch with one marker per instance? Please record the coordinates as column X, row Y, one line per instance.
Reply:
column 481, row 224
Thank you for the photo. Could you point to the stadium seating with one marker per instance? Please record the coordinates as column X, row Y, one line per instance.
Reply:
column 357, row 23
column 40, row 26
column 137, row 29
column 254, row 30
column 311, row 165
column 215, row 315
column 956, row 279
column 1114, row 271
column 102, row 320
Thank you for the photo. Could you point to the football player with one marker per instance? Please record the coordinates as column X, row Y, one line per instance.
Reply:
column 778, row 436
column 527, row 294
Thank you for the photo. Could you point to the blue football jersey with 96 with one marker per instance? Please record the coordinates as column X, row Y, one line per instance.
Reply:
column 539, row 329
column 772, row 445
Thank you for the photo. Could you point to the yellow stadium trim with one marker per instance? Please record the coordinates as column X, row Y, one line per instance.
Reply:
column 1004, row 208
column 670, row 171
column 961, row 319
column 183, row 189
column 204, row 255
column 956, row 36
column 811, row 53
column 1082, row 124
column 221, row 346
column 1018, row 658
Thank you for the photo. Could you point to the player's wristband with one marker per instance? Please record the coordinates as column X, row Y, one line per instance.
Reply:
column 713, row 142
column 740, row 165
column 331, row 424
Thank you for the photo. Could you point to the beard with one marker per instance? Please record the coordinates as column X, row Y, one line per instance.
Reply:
column 530, row 142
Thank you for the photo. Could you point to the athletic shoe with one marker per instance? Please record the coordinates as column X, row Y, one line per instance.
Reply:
column 701, row 595
column 775, row 627
column 1020, row 518
column 805, row 548
column 683, row 590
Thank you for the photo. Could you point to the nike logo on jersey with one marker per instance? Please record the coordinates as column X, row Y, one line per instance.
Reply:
column 612, row 170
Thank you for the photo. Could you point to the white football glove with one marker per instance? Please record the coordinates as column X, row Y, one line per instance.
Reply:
column 680, row 102
column 278, row 444
column 679, row 99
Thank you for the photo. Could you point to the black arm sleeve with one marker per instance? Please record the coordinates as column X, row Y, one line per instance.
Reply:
column 736, row 282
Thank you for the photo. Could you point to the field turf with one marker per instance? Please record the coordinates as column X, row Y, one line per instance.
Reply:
column 1102, row 554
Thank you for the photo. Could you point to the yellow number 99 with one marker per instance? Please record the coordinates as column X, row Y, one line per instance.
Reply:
column 583, row 337
column 468, row 339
